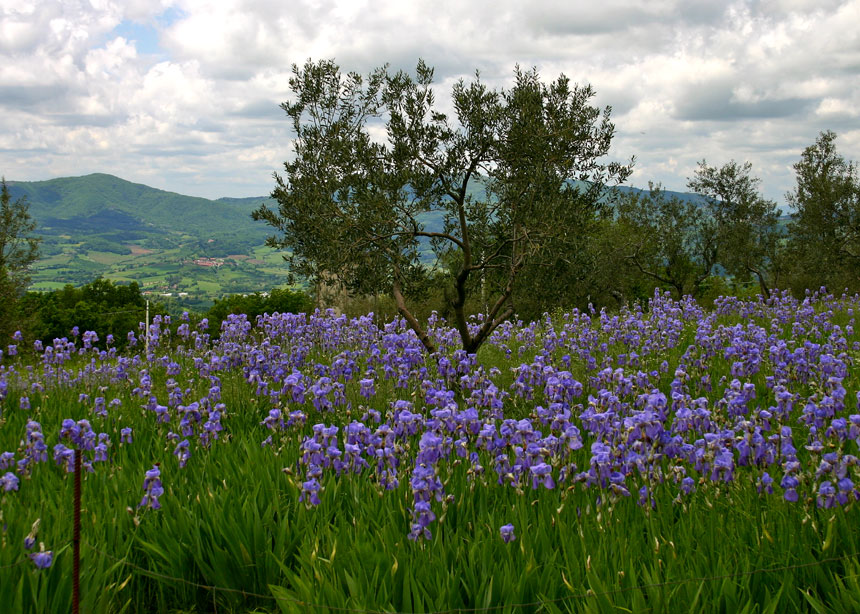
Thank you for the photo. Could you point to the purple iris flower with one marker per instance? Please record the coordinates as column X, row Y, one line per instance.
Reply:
column 152, row 488
column 310, row 492
column 826, row 495
column 790, row 484
column 846, row 490
column 616, row 482
column 182, row 452
column 7, row 459
column 367, row 388
column 71, row 430
column 765, row 483
column 62, row 454
column 688, row 485
column 42, row 559
column 542, row 474
column 423, row 513
column 9, row 481
column 645, row 496
column 273, row 420
column 101, row 450
column 30, row 540
column 417, row 531
column 297, row 417
column 507, row 533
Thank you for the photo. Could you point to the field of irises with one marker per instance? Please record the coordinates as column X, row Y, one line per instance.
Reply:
column 663, row 458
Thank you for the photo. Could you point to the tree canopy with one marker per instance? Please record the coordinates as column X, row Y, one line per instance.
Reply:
column 666, row 239
column 18, row 250
column 824, row 234
column 514, row 177
column 742, row 222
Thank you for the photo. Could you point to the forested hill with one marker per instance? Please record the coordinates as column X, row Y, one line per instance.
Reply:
column 101, row 202
column 101, row 225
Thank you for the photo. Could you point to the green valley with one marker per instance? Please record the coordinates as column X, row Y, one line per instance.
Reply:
column 181, row 248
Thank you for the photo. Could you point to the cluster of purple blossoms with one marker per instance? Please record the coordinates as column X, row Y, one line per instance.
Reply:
column 635, row 424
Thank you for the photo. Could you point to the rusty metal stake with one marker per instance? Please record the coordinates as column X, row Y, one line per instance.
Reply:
column 76, row 538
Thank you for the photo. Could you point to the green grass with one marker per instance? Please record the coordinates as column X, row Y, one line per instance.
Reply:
column 107, row 258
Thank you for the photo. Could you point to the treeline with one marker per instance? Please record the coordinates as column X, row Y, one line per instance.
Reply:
column 113, row 310
column 736, row 233
column 100, row 306
column 728, row 239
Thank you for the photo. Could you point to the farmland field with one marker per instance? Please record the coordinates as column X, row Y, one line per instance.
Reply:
column 163, row 270
column 663, row 458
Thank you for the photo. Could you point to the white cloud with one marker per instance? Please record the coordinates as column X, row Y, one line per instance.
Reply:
column 81, row 89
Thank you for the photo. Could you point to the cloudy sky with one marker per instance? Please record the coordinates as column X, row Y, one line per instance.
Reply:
column 183, row 95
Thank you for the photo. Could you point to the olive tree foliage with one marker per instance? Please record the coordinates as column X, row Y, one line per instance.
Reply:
column 824, row 234
column 381, row 179
column 18, row 250
column 669, row 240
column 743, row 223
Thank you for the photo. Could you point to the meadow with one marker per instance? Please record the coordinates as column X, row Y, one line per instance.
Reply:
column 666, row 457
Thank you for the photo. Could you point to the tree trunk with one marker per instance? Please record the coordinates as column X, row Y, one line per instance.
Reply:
column 425, row 339
column 761, row 282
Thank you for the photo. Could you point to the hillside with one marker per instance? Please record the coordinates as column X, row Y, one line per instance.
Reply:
column 103, row 225
column 76, row 202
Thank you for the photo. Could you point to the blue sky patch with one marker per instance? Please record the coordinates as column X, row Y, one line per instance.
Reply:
column 145, row 36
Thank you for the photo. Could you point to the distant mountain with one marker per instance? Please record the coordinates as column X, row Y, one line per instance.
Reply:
column 106, row 202
column 669, row 194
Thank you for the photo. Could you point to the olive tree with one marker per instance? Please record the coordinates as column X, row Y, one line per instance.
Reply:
column 666, row 239
column 744, row 223
column 385, row 191
column 18, row 250
column 824, row 233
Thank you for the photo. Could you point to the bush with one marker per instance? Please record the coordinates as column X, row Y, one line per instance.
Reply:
column 253, row 305
column 101, row 306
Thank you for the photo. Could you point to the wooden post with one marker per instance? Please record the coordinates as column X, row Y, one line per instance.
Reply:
column 76, row 538
column 146, row 342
